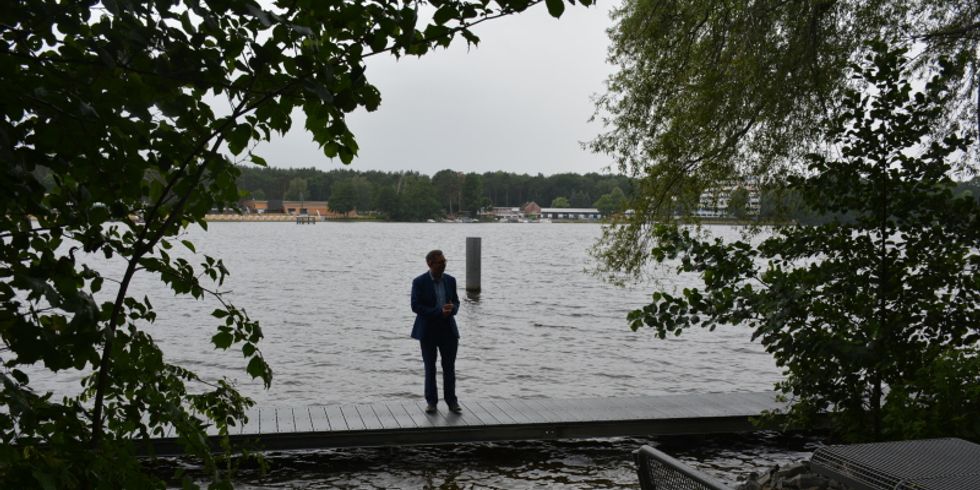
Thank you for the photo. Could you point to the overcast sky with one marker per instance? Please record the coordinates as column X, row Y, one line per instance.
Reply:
column 518, row 102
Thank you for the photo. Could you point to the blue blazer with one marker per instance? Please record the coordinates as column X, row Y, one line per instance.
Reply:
column 428, row 313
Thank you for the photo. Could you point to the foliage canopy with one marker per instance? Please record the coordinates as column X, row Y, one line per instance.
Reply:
column 113, row 142
column 875, row 314
column 712, row 92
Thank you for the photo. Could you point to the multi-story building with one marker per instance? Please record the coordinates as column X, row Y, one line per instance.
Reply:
column 715, row 202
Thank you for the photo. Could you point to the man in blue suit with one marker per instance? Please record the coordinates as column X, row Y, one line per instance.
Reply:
column 435, row 303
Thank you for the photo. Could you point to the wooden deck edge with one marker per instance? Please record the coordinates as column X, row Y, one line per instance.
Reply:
column 463, row 434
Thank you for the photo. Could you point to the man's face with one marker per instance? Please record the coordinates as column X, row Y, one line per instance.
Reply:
column 437, row 265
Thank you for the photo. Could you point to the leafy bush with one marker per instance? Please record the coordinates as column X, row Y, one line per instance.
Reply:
column 873, row 315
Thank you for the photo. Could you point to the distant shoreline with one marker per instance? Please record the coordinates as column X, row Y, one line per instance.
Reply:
column 261, row 218
column 285, row 218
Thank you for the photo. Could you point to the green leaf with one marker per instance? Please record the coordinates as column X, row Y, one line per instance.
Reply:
column 238, row 138
column 445, row 14
column 257, row 368
column 470, row 37
column 20, row 376
column 258, row 160
column 555, row 7
column 222, row 340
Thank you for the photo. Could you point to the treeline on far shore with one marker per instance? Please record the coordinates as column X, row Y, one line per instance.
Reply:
column 412, row 196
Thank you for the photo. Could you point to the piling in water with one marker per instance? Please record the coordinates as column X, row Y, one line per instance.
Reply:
column 473, row 264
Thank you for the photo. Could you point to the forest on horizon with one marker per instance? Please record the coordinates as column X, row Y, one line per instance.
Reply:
column 413, row 196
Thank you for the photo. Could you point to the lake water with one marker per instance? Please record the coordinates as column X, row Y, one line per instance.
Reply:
column 333, row 301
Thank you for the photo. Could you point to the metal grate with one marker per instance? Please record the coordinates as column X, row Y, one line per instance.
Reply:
column 658, row 471
column 931, row 464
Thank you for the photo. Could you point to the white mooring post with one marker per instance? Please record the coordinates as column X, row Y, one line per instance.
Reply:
column 473, row 264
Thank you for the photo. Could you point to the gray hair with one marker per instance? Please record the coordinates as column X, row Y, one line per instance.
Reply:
column 429, row 257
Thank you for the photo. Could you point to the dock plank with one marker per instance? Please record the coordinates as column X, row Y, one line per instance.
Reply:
column 437, row 419
column 596, row 410
column 495, row 412
column 653, row 409
column 548, row 412
column 455, row 419
column 352, row 418
column 756, row 403
column 532, row 413
column 418, row 416
column 388, row 421
column 318, row 419
column 703, row 406
column 629, row 408
column 400, row 422
column 369, row 417
column 404, row 420
column 252, row 426
column 336, row 418
column 506, row 410
column 267, row 421
column 288, row 422
column 670, row 406
column 482, row 417
column 563, row 409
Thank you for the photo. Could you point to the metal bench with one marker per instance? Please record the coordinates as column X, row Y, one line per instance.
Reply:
column 931, row 464
column 658, row 471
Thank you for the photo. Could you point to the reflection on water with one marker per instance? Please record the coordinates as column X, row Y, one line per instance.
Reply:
column 333, row 301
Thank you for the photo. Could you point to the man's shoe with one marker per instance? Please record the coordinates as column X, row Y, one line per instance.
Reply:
column 455, row 409
column 430, row 409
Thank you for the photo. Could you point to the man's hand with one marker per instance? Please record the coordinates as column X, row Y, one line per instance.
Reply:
column 447, row 309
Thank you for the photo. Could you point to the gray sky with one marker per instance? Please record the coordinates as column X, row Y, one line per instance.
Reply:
column 518, row 102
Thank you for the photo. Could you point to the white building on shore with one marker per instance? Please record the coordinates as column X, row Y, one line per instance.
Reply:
column 582, row 214
column 715, row 202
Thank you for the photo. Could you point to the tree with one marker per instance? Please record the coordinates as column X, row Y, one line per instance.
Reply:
column 580, row 199
column 560, row 202
column 258, row 195
column 342, row 197
column 363, row 193
column 388, row 204
column 414, row 200
column 472, row 198
column 875, row 316
column 297, row 190
column 449, row 185
column 709, row 92
column 112, row 100
column 609, row 204
column 738, row 203
column 605, row 205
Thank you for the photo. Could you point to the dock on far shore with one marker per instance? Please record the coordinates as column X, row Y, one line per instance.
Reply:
column 285, row 218
column 262, row 217
column 396, row 423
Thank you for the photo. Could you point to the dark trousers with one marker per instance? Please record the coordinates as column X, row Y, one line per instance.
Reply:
column 446, row 348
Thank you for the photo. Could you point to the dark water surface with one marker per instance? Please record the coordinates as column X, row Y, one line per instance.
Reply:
column 333, row 301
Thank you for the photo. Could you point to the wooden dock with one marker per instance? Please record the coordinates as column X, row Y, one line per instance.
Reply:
column 397, row 423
